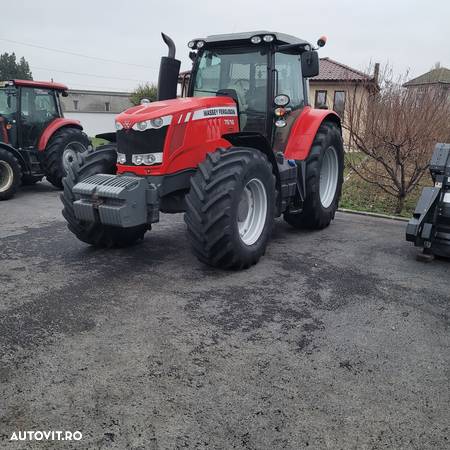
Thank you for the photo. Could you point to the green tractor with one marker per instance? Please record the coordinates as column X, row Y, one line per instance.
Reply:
column 34, row 134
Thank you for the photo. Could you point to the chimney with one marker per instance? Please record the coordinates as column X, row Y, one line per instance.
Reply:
column 376, row 72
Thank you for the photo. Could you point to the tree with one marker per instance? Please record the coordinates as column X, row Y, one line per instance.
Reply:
column 396, row 129
column 147, row 90
column 10, row 68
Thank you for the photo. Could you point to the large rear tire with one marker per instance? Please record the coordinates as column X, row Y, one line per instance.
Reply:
column 324, row 178
column 10, row 174
column 230, row 208
column 80, row 166
column 63, row 139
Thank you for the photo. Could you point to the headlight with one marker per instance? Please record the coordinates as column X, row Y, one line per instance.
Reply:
column 447, row 197
column 255, row 39
column 137, row 159
column 268, row 38
column 121, row 158
column 119, row 126
column 152, row 123
column 157, row 123
column 142, row 126
column 147, row 159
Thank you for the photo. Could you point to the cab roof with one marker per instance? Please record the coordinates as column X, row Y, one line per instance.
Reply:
column 280, row 38
column 40, row 84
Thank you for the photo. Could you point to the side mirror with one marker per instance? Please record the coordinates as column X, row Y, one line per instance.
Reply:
column 310, row 64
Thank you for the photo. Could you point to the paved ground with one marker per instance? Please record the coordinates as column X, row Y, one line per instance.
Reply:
column 337, row 339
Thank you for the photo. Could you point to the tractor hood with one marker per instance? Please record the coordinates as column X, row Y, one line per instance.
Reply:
column 200, row 107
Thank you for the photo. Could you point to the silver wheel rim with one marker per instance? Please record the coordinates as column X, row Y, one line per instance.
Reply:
column 70, row 152
column 6, row 176
column 252, row 211
column 329, row 173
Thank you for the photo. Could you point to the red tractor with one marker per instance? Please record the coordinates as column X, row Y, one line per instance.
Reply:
column 241, row 149
column 34, row 134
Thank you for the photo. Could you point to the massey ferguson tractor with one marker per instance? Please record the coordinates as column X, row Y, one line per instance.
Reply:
column 34, row 134
column 430, row 226
column 242, row 148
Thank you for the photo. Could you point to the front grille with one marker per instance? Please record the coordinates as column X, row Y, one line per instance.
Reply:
column 131, row 142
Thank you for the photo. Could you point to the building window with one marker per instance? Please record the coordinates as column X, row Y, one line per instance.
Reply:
column 75, row 105
column 321, row 99
column 107, row 107
column 339, row 103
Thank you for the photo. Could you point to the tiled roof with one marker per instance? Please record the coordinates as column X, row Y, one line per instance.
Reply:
column 330, row 70
column 435, row 76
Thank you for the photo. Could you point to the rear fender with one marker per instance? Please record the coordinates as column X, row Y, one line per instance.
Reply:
column 55, row 126
column 17, row 154
column 304, row 131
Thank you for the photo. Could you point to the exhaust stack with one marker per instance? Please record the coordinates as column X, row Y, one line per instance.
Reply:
column 169, row 70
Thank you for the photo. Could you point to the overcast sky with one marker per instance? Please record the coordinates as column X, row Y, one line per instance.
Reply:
column 410, row 34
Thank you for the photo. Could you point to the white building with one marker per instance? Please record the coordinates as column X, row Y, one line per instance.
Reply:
column 96, row 110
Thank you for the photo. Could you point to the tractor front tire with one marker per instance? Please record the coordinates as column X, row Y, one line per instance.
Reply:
column 324, row 178
column 80, row 166
column 63, row 139
column 230, row 208
column 10, row 174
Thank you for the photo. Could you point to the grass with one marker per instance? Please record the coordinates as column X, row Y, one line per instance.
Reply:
column 96, row 141
column 359, row 195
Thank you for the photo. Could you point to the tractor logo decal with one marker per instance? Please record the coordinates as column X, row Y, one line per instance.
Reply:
column 214, row 112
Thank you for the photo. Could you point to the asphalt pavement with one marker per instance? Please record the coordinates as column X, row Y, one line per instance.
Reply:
column 337, row 339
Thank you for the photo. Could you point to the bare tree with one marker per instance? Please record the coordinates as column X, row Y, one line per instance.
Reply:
column 396, row 129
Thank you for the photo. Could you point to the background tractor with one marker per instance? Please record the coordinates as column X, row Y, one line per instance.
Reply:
column 34, row 134
column 241, row 149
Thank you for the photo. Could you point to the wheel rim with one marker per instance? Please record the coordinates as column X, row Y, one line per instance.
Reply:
column 6, row 176
column 70, row 152
column 252, row 211
column 329, row 173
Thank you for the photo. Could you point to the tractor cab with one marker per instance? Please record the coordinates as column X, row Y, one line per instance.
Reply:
column 26, row 109
column 264, row 72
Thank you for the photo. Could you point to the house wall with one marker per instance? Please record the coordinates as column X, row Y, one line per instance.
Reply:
column 96, row 101
column 94, row 123
column 350, row 89
column 96, row 110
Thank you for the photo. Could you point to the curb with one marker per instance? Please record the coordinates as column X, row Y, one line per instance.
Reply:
column 371, row 214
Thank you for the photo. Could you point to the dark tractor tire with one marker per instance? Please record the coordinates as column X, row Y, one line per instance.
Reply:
column 78, row 167
column 231, row 208
column 324, row 178
column 10, row 174
column 62, row 140
column 29, row 180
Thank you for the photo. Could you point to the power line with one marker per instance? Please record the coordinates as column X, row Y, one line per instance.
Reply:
column 67, row 52
column 86, row 74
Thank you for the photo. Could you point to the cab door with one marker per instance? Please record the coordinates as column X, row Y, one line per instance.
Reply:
column 38, row 108
column 288, row 80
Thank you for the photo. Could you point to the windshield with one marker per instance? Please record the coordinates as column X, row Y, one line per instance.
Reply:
column 241, row 70
column 8, row 101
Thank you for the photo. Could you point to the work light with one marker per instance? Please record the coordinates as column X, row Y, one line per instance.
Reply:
column 200, row 44
column 268, row 38
column 191, row 44
column 255, row 39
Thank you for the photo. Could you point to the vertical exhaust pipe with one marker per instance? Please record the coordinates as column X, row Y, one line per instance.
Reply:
column 169, row 70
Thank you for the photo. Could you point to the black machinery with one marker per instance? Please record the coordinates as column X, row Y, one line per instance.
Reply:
column 430, row 226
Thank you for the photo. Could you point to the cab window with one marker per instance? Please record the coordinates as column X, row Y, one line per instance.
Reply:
column 289, row 78
column 38, row 109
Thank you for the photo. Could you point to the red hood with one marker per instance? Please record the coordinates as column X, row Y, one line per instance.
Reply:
column 170, row 107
